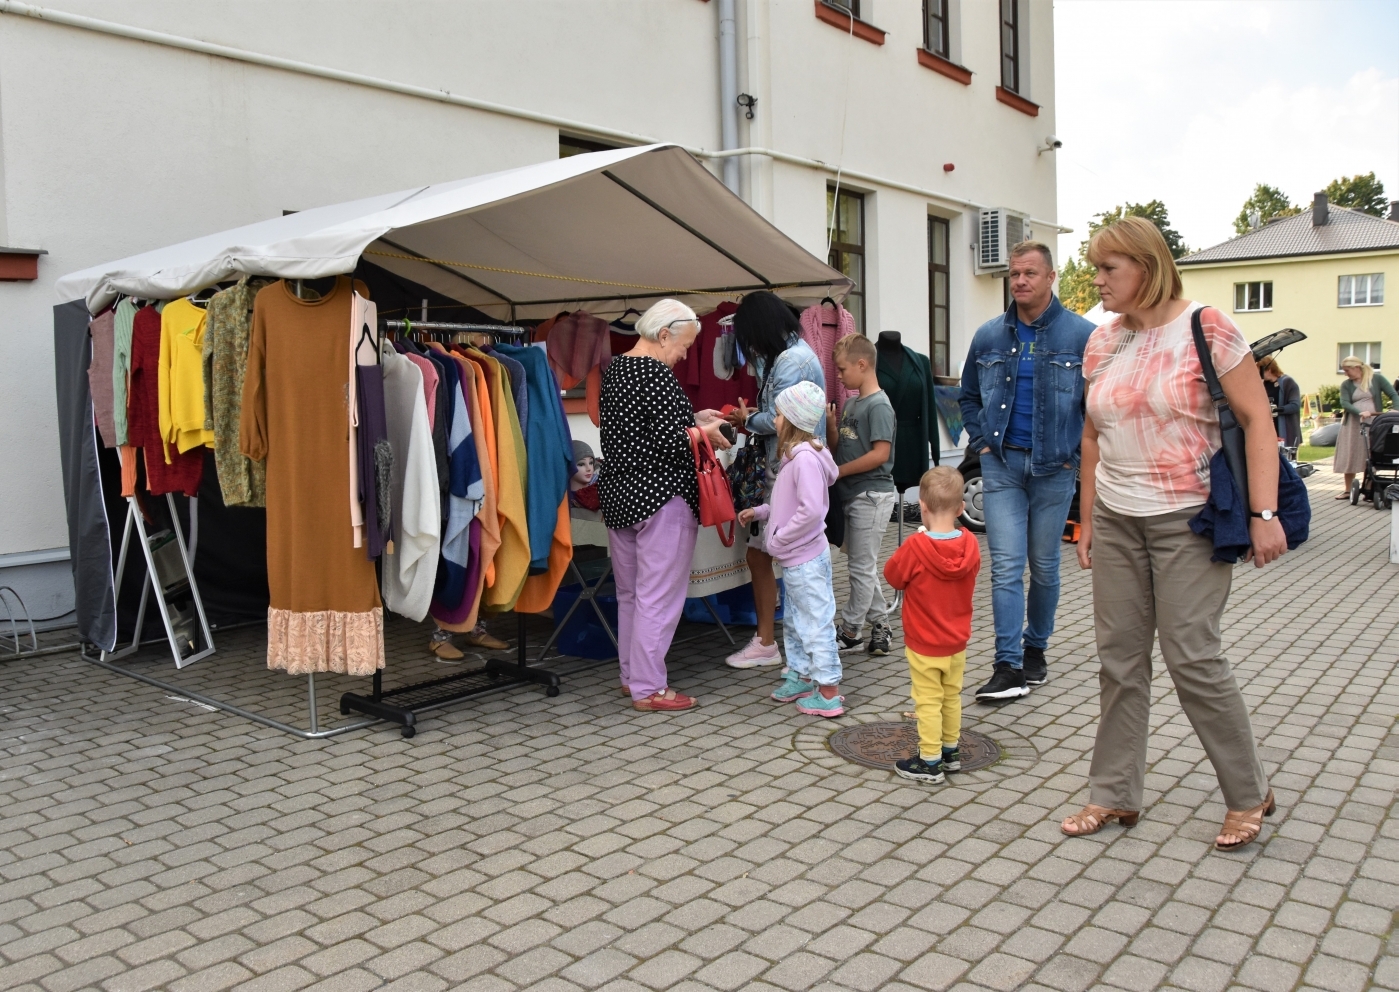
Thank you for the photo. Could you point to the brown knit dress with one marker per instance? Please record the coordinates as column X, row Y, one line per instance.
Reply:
column 325, row 613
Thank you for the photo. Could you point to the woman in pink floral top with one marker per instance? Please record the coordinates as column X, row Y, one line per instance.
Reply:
column 1150, row 433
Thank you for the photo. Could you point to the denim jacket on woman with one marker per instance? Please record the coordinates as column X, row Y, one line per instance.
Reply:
column 797, row 364
column 988, row 385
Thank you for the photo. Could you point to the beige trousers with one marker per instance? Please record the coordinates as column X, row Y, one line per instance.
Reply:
column 1153, row 575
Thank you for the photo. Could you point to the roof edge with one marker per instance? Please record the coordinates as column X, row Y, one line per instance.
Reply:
column 1393, row 250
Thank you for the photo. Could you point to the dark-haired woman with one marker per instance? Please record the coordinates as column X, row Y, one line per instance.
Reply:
column 769, row 334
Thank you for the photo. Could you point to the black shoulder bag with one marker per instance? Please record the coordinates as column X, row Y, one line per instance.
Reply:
column 1231, row 433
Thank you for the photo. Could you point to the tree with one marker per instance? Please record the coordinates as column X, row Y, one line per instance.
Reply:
column 1364, row 193
column 1154, row 211
column 1269, row 203
column 1076, row 289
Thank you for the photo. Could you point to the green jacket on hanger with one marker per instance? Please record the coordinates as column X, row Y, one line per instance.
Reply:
column 910, row 390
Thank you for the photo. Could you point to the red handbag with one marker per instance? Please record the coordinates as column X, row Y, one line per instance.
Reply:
column 716, row 503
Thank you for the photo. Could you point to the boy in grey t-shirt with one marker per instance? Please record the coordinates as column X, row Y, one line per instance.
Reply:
column 863, row 445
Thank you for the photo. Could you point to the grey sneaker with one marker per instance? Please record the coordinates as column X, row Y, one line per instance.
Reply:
column 880, row 637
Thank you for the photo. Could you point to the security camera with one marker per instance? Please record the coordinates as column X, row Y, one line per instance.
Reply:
column 1051, row 144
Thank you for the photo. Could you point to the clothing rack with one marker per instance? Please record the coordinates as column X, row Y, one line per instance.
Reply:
column 404, row 326
column 404, row 704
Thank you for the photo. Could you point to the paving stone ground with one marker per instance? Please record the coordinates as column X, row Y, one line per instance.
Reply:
column 523, row 842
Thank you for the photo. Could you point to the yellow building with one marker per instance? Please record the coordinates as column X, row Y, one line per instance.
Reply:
column 1323, row 272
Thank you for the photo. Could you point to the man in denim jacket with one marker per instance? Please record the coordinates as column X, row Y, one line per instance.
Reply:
column 1022, row 407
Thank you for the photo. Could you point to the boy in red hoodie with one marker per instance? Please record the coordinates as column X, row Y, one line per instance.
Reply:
column 937, row 569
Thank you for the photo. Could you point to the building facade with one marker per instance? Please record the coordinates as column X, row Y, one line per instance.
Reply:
column 126, row 125
column 1324, row 272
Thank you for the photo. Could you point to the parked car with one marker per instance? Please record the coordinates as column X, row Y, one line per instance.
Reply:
column 974, row 516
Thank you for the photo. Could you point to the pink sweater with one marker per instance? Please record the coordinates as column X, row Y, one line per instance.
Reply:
column 822, row 326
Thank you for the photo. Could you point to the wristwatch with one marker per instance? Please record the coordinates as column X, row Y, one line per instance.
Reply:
column 1264, row 514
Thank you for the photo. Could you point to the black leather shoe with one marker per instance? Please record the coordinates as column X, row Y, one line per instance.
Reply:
column 1036, row 669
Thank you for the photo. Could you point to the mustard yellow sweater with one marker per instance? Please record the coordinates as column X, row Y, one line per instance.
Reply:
column 182, row 414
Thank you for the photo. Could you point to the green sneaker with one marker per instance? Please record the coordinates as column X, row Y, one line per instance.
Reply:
column 793, row 686
column 818, row 705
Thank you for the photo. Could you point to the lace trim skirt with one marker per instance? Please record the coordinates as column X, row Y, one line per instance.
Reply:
column 325, row 641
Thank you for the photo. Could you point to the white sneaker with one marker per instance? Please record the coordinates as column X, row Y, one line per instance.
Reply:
column 755, row 654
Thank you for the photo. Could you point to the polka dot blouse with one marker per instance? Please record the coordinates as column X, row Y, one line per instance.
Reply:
column 645, row 446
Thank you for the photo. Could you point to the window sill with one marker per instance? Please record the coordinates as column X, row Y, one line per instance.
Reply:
column 1017, row 101
column 1357, row 306
column 20, row 264
column 836, row 17
column 1263, row 310
column 946, row 67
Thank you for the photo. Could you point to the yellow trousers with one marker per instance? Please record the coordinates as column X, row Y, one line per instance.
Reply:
column 937, row 698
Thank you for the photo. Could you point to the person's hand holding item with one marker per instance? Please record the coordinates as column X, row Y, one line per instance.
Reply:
column 704, row 417
column 739, row 417
column 714, row 431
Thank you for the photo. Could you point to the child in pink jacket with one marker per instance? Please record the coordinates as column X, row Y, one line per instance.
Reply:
column 796, row 537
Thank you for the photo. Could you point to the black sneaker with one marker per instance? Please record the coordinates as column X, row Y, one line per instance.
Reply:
column 880, row 636
column 1036, row 669
column 1006, row 683
column 847, row 639
column 918, row 770
column 951, row 759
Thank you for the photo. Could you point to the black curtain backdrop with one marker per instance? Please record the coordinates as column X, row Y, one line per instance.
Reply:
column 397, row 297
column 88, row 536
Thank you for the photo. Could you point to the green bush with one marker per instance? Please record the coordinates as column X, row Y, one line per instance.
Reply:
column 1329, row 397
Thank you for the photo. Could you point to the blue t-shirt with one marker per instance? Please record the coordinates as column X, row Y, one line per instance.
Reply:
column 1021, row 429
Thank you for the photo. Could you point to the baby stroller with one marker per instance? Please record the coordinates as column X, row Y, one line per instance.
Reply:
column 1380, row 436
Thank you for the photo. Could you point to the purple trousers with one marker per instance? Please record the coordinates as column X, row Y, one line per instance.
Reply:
column 651, row 567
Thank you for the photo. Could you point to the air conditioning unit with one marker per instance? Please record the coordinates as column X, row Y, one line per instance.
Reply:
column 999, row 231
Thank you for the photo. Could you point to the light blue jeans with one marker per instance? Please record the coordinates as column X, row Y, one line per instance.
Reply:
column 808, row 620
column 1025, row 516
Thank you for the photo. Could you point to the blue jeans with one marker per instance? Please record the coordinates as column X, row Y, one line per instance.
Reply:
column 1025, row 516
column 808, row 620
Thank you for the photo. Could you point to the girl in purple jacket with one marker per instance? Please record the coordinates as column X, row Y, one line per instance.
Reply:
column 796, row 537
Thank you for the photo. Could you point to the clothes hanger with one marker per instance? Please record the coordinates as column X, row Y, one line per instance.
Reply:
column 366, row 334
column 202, row 302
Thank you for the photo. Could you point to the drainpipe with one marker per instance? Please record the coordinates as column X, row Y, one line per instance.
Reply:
column 728, row 89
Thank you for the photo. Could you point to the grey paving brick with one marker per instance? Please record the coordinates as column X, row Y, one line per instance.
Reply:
column 722, row 849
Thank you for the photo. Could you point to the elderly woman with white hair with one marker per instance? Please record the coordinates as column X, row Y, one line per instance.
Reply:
column 650, row 497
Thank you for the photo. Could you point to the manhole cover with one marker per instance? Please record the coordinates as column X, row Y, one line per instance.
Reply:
column 879, row 745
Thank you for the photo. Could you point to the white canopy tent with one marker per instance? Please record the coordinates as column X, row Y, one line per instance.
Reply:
column 601, row 231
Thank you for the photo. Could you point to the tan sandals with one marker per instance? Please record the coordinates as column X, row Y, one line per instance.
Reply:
column 1093, row 818
column 1245, row 825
